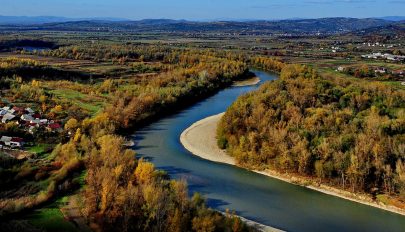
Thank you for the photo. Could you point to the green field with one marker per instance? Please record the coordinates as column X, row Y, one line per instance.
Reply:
column 50, row 218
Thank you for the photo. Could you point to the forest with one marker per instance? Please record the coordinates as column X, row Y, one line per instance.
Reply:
column 346, row 133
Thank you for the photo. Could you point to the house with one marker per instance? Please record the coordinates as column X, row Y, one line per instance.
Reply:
column 36, row 121
column 6, row 110
column 43, row 121
column 5, row 139
column 18, row 110
column 29, row 111
column 17, row 142
column 12, row 142
column 398, row 72
column 380, row 70
column 340, row 69
column 7, row 117
column 26, row 117
column 54, row 127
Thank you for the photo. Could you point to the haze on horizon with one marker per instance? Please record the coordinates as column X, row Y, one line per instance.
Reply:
column 204, row 9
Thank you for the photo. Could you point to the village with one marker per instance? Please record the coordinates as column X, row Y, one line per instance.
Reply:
column 23, row 121
column 386, row 56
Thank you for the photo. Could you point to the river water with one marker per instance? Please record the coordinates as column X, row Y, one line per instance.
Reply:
column 263, row 199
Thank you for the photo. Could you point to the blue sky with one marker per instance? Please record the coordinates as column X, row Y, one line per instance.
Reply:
column 204, row 9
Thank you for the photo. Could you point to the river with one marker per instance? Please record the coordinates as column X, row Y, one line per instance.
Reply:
column 256, row 197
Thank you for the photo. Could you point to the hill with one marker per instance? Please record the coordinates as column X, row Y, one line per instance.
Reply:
column 297, row 26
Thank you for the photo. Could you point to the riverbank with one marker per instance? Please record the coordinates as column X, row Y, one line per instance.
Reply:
column 258, row 226
column 247, row 82
column 200, row 139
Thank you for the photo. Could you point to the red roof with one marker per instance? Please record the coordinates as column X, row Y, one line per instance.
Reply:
column 54, row 126
column 18, row 109
column 36, row 116
column 16, row 139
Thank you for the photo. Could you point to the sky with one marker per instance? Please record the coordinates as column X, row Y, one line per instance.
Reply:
column 204, row 9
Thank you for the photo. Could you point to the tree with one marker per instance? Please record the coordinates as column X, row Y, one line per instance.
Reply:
column 71, row 124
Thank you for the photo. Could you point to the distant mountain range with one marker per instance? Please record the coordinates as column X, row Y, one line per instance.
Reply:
column 28, row 20
column 393, row 18
column 290, row 26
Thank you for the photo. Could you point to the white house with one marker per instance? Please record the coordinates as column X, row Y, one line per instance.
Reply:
column 30, row 111
column 36, row 121
column 380, row 70
column 12, row 141
column 7, row 117
column 26, row 117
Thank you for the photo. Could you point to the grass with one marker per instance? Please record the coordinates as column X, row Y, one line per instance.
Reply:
column 50, row 218
column 329, row 71
column 39, row 148
column 79, row 99
column 396, row 84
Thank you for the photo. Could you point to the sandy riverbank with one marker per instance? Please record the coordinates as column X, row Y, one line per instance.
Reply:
column 247, row 82
column 200, row 139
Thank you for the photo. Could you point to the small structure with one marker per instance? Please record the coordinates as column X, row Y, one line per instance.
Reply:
column 43, row 121
column 18, row 110
column 380, row 70
column 54, row 127
column 27, row 117
column 7, row 117
column 29, row 111
column 12, row 142
column 398, row 72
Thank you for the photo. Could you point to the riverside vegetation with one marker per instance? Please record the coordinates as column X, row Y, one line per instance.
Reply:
column 349, row 134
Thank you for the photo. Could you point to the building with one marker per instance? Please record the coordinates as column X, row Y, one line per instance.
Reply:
column 380, row 70
column 27, row 117
column 398, row 72
column 12, row 142
column 341, row 69
column 18, row 110
column 29, row 111
column 7, row 117
column 54, row 127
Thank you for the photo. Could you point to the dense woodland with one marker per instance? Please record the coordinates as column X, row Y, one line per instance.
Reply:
column 348, row 133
